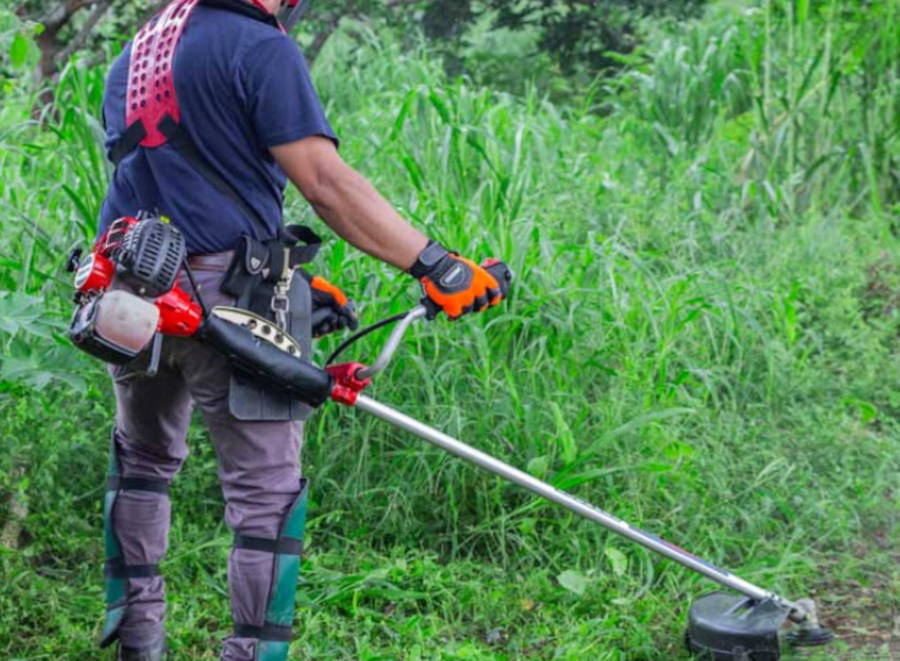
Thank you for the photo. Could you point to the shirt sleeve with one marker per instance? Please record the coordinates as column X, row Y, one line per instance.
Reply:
column 281, row 101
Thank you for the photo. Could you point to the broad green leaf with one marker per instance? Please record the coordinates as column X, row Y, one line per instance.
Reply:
column 527, row 525
column 867, row 411
column 565, row 439
column 573, row 581
column 538, row 466
column 402, row 114
column 677, row 451
column 18, row 50
column 20, row 312
column 440, row 106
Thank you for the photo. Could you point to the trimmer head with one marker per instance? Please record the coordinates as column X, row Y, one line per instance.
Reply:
column 729, row 627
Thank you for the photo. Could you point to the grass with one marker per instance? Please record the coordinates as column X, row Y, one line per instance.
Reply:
column 702, row 339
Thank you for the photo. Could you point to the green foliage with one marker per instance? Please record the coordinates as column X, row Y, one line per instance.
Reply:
column 702, row 338
column 575, row 32
column 17, row 48
column 580, row 35
column 33, row 353
column 53, row 185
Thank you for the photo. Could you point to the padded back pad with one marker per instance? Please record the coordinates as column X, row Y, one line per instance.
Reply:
column 151, row 83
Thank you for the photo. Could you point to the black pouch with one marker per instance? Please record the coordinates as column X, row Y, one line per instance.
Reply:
column 251, row 279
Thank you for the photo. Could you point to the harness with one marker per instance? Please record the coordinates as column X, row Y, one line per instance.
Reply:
column 152, row 115
column 263, row 276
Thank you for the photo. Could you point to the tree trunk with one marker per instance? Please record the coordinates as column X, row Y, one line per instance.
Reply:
column 50, row 48
column 312, row 51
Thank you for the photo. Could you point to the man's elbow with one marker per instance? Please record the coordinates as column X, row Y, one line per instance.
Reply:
column 328, row 187
column 321, row 189
column 314, row 167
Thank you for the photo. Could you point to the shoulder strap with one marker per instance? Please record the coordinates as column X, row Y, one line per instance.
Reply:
column 178, row 136
column 304, row 243
column 151, row 83
column 153, row 117
column 127, row 142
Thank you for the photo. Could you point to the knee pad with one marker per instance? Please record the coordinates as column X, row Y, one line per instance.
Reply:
column 116, row 571
column 275, row 635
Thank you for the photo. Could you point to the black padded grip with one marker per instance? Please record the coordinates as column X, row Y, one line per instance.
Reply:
column 265, row 363
column 501, row 274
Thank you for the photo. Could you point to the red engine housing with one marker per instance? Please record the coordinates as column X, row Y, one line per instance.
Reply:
column 95, row 274
column 179, row 313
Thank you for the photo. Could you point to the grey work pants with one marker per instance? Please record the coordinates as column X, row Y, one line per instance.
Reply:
column 259, row 470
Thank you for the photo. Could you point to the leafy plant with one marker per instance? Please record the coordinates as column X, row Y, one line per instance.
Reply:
column 33, row 354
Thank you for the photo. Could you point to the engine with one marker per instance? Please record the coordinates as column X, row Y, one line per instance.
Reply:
column 127, row 290
column 128, row 297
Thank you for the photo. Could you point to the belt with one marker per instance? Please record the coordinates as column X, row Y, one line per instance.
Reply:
column 216, row 261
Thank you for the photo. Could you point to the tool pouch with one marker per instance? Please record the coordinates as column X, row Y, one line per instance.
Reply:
column 251, row 280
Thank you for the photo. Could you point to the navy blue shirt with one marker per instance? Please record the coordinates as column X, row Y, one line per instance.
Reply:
column 242, row 87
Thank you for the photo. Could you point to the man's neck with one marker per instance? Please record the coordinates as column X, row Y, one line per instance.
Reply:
column 270, row 6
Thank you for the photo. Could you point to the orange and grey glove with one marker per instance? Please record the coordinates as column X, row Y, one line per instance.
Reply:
column 331, row 309
column 456, row 285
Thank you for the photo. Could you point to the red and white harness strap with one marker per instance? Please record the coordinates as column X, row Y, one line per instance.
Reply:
column 151, row 83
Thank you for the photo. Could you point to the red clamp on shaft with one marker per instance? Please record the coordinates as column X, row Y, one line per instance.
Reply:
column 347, row 385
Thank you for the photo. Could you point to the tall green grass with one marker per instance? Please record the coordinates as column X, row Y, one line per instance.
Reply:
column 702, row 338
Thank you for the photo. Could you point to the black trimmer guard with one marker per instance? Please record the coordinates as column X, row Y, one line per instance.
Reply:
column 730, row 627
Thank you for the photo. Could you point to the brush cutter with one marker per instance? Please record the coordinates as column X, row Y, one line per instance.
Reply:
column 128, row 297
column 721, row 626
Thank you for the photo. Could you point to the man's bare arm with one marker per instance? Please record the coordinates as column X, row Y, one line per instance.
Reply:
column 348, row 203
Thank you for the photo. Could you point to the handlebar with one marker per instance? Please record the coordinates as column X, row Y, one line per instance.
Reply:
column 351, row 378
column 496, row 268
column 390, row 347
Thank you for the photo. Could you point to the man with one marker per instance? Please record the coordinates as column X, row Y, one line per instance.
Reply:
column 208, row 111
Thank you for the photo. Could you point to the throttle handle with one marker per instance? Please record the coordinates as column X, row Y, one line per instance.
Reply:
column 432, row 309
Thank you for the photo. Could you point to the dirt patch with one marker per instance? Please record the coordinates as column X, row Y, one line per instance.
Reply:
column 865, row 616
column 867, row 628
column 881, row 295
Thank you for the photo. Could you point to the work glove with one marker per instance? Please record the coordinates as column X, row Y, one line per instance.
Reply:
column 454, row 284
column 331, row 309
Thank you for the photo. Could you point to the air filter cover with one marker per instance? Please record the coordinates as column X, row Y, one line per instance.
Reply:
column 114, row 327
column 150, row 257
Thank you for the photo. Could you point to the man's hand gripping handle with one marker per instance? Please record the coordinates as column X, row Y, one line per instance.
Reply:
column 350, row 379
column 495, row 269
